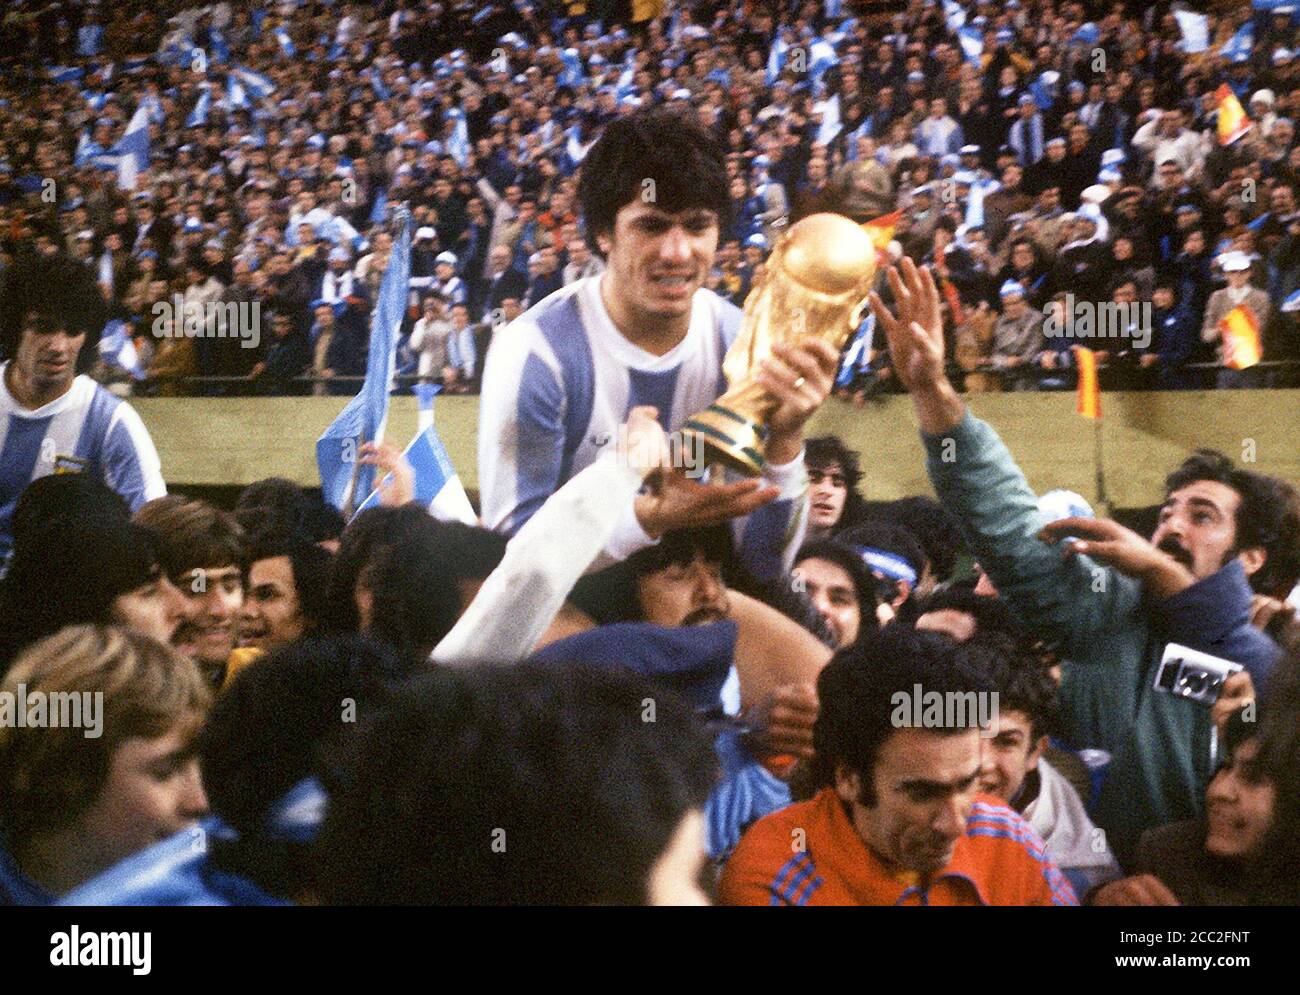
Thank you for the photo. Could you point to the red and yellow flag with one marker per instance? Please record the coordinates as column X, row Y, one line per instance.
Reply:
column 1089, row 392
column 1233, row 122
column 881, row 232
column 1240, row 330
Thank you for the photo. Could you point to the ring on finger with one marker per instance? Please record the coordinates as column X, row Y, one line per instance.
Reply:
column 799, row 382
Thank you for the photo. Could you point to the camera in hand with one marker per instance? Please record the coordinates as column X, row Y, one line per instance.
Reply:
column 1192, row 674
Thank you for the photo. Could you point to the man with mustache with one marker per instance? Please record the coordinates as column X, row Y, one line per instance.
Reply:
column 558, row 382
column 1107, row 600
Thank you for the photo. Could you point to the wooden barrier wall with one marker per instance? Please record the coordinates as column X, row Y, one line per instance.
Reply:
column 234, row 441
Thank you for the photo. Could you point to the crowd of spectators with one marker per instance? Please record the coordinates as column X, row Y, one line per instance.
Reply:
column 280, row 133
column 630, row 680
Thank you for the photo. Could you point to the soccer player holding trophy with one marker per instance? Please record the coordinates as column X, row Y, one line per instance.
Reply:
column 561, row 378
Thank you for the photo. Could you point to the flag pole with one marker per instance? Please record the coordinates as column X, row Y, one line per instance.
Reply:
column 1099, row 461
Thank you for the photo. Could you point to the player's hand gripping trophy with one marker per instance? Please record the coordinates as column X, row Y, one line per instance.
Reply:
column 815, row 283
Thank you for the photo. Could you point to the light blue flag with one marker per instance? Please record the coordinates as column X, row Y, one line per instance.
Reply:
column 66, row 74
column 86, row 150
column 1292, row 303
column 458, row 140
column 1195, row 29
column 343, row 478
column 377, row 84
column 775, row 59
column 572, row 74
column 96, row 101
column 975, row 206
column 132, row 149
column 972, row 43
column 220, row 48
column 117, row 349
column 822, row 57
column 1087, row 34
column 199, row 116
column 954, row 15
column 258, row 85
column 286, row 43
column 1041, row 93
column 236, row 95
column 831, row 125
column 1239, row 46
column 437, row 485
column 858, row 354
column 380, row 207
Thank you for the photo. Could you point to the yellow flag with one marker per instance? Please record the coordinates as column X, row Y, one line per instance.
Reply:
column 1233, row 122
column 1240, row 329
column 1089, row 392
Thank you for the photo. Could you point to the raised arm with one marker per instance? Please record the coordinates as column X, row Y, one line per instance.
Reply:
column 546, row 557
column 1067, row 599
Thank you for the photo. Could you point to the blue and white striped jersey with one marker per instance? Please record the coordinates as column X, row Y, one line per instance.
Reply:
column 561, row 379
column 86, row 429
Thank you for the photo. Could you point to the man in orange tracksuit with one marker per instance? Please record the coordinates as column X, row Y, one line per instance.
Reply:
column 898, row 820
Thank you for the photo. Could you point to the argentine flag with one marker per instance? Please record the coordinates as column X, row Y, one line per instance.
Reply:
column 236, row 96
column 117, row 349
column 822, row 56
column 458, row 141
column 1195, row 29
column 437, row 485
column 286, row 43
column 220, row 50
column 775, row 59
column 132, row 149
column 858, row 354
column 343, row 478
column 1240, row 44
column 199, row 116
column 258, row 85
column 954, row 15
column 972, row 44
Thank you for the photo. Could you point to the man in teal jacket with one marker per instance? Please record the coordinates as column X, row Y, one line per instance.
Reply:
column 1107, row 600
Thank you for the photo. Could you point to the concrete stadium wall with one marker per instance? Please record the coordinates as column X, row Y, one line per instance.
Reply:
column 234, row 441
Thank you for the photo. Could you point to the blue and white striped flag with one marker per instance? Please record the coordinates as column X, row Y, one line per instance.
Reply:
column 831, row 125
column 96, row 101
column 343, row 477
column 972, row 44
column 236, row 95
column 437, row 484
column 198, row 117
column 858, row 354
column 220, row 48
column 1292, row 303
column 66, row 74
column 1195, row 29
column 379, row 209
column 572, row 74
column 1240, row 44
column 822, row 56
column 286, row 43
column 954, row 15
column 258, row 85
column 117, row 349
column 775, row 59
column 132, row 149
column 377, row 84
column 458, row 140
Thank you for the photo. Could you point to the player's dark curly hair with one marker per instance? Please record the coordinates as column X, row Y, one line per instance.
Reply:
column 857, row 688
column 1268, row 516
column 56, row 288
column 530, row 784
column 655, row 153
column 1022, row 682
column 399, row 556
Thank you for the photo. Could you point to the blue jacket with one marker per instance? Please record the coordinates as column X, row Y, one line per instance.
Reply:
column 1110, row 633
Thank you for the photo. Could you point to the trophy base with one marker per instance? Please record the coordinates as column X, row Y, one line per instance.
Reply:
column 728, row 438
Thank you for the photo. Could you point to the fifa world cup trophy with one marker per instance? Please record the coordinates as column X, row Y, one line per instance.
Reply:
column 815, row 283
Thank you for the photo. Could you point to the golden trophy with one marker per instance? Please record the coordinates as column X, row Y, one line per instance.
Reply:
column 815, row 283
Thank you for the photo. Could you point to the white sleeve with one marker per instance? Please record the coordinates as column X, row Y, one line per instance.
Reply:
column 543, row 561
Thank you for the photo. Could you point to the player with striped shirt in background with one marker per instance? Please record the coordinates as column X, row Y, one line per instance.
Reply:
column 561, row 378
column 53, row 418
